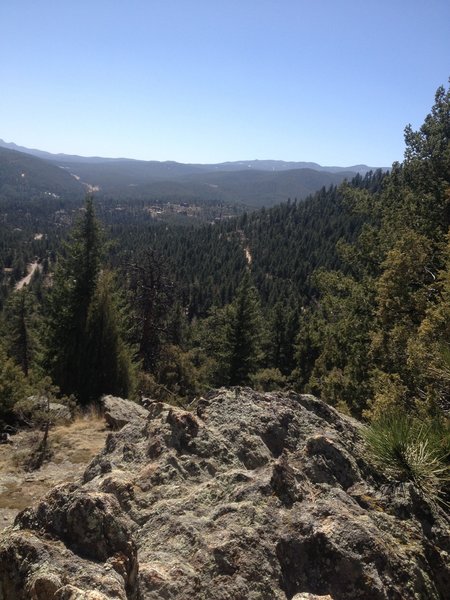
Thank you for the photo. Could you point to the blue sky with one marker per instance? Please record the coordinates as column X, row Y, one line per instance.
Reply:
column 330, row 81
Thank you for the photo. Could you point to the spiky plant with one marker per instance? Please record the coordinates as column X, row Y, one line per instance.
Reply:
column 407, row 449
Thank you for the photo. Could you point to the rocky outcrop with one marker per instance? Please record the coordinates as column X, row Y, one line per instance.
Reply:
column 252, row 497
column 119, row 412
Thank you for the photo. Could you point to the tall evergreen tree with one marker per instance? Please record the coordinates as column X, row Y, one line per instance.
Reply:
column 73, row 288
column 152, row 298
column 244, row 334
column 83, row 339
column 19, row 315
column 380, row 331
column 109, row 358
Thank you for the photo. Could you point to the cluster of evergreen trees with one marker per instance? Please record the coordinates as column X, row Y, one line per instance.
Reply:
column 69, row 340
column 85, row 352
column 378, row 336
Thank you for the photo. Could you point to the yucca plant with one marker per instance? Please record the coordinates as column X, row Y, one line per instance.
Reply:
column 407, row 449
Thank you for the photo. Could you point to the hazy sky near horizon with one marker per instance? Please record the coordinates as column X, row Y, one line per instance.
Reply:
column 330, row 81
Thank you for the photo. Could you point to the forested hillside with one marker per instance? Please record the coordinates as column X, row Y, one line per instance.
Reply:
column 346, row 295
column 377, row 338
column 253, row 183
column 36, row 199
column 26, row 177
column 281, row 247
column 253, row 188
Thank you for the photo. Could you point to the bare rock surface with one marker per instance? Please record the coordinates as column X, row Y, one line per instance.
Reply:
column 254, row 497
column 119, row 412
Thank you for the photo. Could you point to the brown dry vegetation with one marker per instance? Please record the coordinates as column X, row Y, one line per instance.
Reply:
column 72, row 447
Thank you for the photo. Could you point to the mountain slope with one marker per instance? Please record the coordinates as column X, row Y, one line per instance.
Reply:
column 286, row 242
column 23, row 176
column 265, row 188
column 252, row 188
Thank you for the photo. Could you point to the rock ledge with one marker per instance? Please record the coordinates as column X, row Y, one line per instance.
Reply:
column 254, row 497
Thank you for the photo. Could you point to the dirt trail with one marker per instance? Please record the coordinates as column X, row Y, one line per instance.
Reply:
column 26, row 280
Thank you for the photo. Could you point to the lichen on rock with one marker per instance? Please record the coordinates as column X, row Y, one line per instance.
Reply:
column 255, row 497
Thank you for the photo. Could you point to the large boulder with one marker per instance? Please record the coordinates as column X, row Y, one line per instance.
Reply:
column 254, row 497
column 118, row 412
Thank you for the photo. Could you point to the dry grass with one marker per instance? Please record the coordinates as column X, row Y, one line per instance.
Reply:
column 79, row 441
column 72, row 447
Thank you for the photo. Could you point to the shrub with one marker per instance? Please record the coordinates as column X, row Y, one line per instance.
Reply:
column 268, row 380
column 407, row 449
column 13, row 387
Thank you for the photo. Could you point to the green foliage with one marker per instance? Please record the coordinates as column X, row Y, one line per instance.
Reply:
column 68, row 305
column 408, row 449
column 85, row 351
column 427, row 156
column 280, row 339
column 428, row 351
column 402, row 296
column 151, row 295
column 286, row 243
column 337, row 344
column 268, row 380
column 377, row 336
column 14, row 386
column 389, row 394
column 401, row 292
column 176, row 380
column 209, row 347
column 243, row 335
column 21, row 324
column 109, row 361
column 178, row 373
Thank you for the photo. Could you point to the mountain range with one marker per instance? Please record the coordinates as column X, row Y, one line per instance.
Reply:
column 254, row 183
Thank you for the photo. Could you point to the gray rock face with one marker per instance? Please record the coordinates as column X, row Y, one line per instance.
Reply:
column 119, row 412
column 256, row 497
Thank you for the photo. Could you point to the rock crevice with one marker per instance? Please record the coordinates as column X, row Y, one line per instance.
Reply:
column 255, row 497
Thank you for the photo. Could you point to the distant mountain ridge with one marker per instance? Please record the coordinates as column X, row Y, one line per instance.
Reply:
column 253, row 184
column 56, row 157
column 171, row 166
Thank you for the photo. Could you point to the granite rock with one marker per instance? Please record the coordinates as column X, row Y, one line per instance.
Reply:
column 251, row 497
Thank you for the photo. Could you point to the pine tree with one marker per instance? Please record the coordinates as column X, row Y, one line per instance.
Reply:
column 85, row 352
column 428, row 350
column 244, row 335
column 73, row 288
column 380, row 327
column 402, row 297
column 152, row 298
column 18, row 316
column 109, row 361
